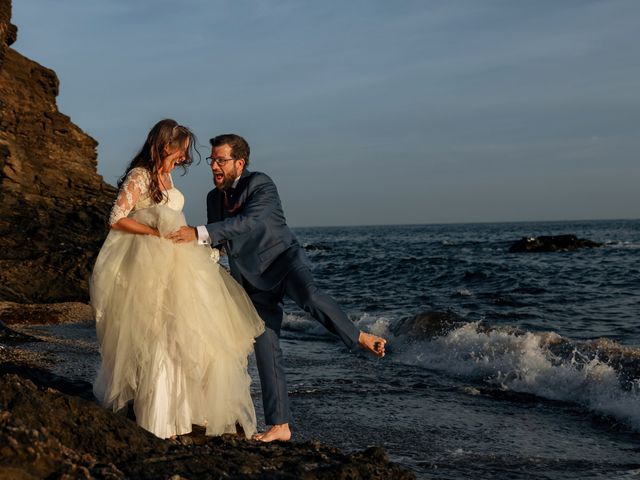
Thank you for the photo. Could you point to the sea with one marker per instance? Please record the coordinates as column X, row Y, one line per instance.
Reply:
column 499, row 365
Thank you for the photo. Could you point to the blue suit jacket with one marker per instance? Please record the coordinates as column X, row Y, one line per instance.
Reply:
column 252, row 227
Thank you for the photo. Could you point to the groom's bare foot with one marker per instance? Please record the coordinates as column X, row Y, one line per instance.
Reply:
column 372, row 343
column 279, row 432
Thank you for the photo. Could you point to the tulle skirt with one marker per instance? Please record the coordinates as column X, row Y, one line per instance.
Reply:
column 175, row 331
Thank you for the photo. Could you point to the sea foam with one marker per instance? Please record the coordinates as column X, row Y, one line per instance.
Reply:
column 600, row 375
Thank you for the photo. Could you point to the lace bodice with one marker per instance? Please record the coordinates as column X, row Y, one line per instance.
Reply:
column 134, row 195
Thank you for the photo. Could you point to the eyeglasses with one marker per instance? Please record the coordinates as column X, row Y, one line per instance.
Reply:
column 220, row 161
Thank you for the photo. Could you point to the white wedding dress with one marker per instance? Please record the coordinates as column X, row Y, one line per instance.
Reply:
column 174, row 328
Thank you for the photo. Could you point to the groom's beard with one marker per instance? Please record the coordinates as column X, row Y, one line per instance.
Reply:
column 227, row 180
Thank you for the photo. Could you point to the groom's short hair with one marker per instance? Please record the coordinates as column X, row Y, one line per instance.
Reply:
column 239, row 146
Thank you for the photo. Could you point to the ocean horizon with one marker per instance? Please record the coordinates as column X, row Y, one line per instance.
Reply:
column 480, row 222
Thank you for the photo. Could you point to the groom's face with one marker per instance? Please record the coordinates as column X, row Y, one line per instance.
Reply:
column 224, row 175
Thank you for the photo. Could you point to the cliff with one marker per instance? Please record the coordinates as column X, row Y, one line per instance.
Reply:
column 53, row 203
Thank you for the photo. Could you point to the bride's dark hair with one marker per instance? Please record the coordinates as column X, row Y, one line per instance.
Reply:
column 165, row 133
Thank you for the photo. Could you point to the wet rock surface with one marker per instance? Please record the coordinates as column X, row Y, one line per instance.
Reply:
column 45, row 433
column 551, row 243
column 53, row 203
column 427, row 325
column 51, row 427
column 45, row 313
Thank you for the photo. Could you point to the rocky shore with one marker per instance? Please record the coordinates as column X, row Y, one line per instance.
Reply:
column 51, row 427
column 53, row 210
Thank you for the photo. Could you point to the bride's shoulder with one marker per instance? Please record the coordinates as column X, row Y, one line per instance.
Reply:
column 136, row 172
column 139, row 176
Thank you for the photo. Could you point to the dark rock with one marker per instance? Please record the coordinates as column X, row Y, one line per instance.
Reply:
column 8, row 31
column 552, row 243
column 45, row 313
column 53, row 204
column 45, row 433
column 427, row 325
column 433, row 324
column 623, row 359
column 51, row 427
column 9, row 336
column 48, row 380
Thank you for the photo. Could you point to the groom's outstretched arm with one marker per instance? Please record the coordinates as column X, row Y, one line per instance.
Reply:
column 262, row 202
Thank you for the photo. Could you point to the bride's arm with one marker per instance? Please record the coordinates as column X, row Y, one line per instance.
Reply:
column 133, row 187
column 129, row 225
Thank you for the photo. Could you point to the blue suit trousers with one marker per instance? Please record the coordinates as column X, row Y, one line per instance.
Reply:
column 300, row 287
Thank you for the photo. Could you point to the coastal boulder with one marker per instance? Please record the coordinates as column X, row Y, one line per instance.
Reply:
column 427, row 325
column 53, row 203
column 551, row 243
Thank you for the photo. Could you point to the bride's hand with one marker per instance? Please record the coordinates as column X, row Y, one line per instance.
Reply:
column 185, row 234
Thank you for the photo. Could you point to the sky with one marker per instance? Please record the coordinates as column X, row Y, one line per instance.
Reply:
column 367, row 112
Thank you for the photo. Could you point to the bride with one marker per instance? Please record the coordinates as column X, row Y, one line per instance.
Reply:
column 174, row 329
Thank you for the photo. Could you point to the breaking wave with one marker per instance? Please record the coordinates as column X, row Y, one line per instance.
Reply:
column 600, row 375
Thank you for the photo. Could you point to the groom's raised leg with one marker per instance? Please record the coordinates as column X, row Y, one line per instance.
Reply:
column 301, row 287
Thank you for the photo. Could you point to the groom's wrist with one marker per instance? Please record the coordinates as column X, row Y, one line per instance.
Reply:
column 202, row 235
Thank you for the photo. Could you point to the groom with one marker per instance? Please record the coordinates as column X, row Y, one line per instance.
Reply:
column 245, row 215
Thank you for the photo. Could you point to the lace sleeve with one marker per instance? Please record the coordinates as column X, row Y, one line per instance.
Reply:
column 134, row 186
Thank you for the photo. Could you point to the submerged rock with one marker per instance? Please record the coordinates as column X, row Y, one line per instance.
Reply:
column 427, row 325
column 551, row 243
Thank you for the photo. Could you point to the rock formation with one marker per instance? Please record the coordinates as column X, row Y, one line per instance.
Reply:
column 552, row 243
column 53, row 204
column 51, row 428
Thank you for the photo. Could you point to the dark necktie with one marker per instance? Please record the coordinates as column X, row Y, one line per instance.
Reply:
column 229, row 199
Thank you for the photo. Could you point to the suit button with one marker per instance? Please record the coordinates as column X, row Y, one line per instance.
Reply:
column 235, row 255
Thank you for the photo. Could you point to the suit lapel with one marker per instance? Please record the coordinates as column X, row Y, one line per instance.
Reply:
column 242, row 185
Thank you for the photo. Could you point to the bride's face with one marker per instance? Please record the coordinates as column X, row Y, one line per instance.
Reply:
column 173, row 156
